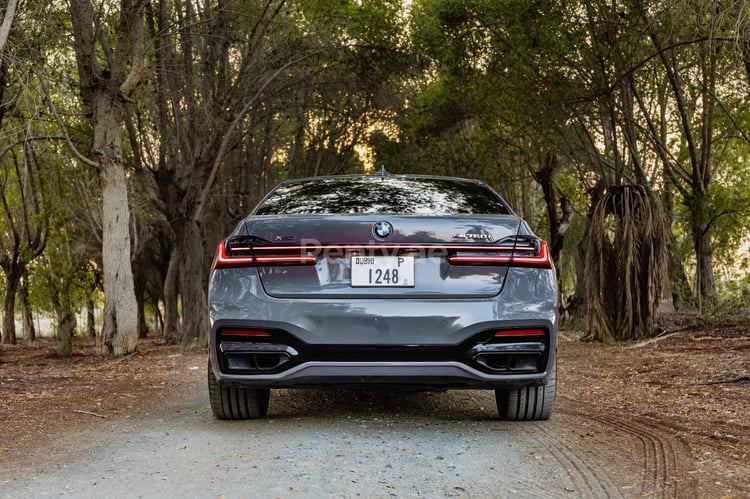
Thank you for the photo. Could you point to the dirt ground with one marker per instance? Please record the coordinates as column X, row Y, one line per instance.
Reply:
column 685, row 395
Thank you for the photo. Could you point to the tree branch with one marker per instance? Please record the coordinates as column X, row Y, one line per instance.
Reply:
column 85, row 160
column 10, row 14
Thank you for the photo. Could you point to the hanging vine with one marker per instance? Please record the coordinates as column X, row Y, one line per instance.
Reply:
column 626, row 264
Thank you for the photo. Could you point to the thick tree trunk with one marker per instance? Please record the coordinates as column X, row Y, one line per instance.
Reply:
column 120, row 328
column 706, row 283
column 705, row 286
column 66, row 326
column 191, row 255
column 682, row 295
column 104, row 91
column 9, row 308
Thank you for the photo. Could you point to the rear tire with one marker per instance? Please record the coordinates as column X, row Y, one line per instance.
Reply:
column 529, row 403
column 232, row 402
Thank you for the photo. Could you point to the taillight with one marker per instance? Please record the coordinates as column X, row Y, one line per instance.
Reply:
column 513, row 333
column 521, row 255
column 252, row 333
column 222, row 260
column 247, row 256
column 285, row 260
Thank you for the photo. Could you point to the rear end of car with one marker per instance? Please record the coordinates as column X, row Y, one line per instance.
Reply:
column 418, row 282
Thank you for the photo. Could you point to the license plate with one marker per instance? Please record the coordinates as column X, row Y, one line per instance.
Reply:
column 383, row 271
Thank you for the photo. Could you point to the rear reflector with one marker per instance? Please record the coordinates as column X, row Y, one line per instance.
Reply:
column 519, row 332
column 244, row 332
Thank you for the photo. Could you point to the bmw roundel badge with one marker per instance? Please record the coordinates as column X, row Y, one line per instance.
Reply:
column 382, row 229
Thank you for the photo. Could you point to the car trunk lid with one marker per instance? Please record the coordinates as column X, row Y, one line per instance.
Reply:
column 389, row 256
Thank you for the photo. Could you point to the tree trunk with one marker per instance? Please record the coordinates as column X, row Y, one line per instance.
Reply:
column 171, row 328
column 191, row 257
column 29, row 331
column 104, row 92
column 706, row 284
column 9, row 308
column 66, row 326
column 558, row 223
column 90, row 317
column 120, row 328
column 700, row 230
column 682, row 295
column 140, row 300
column 576, row 309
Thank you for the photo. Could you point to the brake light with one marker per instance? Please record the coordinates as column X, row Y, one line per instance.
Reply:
column 222, row 260
column 507, row 255
column 247, row 256
column 542, row 260
column 509, row 333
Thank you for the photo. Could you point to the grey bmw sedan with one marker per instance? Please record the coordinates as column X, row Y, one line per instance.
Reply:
column 382, row 281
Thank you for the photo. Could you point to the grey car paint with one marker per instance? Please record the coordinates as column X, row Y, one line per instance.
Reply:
column 449, row 308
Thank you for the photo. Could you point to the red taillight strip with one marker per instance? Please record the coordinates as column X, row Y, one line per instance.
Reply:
column 495, row 259
column 404, row 247
column 286, row 259
column 244, row 332
column 486, row 254
column 520, row 332
column 222, row 260
column 542, row 260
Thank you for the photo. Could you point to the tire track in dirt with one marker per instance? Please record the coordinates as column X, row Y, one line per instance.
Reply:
column 589, row 480
column 662, row 454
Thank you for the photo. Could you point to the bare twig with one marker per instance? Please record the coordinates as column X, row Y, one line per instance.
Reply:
column 720, row 381
column 654, row 340
column 90, row 413
column 125, row 357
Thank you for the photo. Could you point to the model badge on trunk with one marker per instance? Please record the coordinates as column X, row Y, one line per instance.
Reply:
column 474, row 236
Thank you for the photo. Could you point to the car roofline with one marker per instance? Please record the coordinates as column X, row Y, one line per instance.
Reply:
column 375, row 176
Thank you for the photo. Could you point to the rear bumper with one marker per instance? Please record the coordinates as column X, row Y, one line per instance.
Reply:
column 402, row 374
column 273, row 357
column 435, row 343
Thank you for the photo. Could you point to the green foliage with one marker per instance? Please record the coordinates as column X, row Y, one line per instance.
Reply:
column 735, row 296
column 478, row 88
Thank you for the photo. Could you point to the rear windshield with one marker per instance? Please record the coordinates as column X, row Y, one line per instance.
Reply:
column 373, row 195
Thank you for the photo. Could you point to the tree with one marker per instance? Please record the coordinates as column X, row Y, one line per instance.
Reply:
column 202, row 95
column 23, row 226
column 498, row 105
column 108, row 76
column 626, row 264
column 236, row 85
column 24, row 233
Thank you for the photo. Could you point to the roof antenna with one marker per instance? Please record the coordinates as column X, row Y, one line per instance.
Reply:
column 383, row 173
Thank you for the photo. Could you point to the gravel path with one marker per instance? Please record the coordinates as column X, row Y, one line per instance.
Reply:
column 337, row 443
